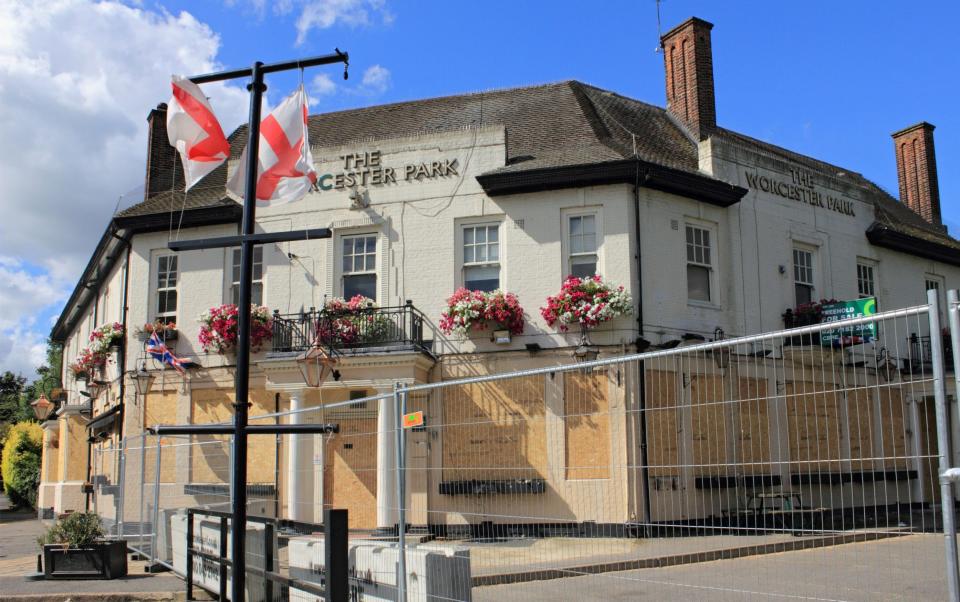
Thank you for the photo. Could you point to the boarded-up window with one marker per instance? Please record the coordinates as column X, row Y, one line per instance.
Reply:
column 350, row 471
column 893, row 439
column 586, row 425
column 161, row 408
column 210, row 456
column 495, row 430
column 663, row 424
column 753, row 436
column 708, row 401
column 814, row 426
column 860, row 427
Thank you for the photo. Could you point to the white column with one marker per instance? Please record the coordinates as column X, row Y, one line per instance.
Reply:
column 299, row 466
column 317, row 445
column 386, row 463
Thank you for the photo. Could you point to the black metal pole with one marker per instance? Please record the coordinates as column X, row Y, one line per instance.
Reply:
column 239, row 527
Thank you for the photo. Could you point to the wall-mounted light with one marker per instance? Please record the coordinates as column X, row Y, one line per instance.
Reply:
column 315, row 365
column 141, row 379
column 42, row 407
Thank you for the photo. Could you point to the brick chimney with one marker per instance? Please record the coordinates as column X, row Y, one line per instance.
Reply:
column 688, row 60
column 917, row 170
column 162, row 164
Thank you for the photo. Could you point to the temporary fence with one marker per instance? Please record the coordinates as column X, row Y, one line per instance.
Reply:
column 672, row 473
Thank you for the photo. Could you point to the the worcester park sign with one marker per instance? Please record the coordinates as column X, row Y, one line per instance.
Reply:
column 801, row 188
column 366, row 169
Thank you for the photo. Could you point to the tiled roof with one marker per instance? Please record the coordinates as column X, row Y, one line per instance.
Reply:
column 552, row 125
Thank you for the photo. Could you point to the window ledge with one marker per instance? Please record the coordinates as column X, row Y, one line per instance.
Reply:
column 704, row 304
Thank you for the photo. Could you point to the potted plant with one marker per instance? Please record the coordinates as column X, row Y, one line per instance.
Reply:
column 88, row 363
column 587, row 302
column 75, row 548
column 469, row 311
column 218, row 330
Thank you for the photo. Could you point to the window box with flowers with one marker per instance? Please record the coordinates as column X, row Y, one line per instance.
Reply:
column 468, row 311
column 166, row 330
column 353, row 322
column 586, row 302
column 218, row 330
column 806, row 314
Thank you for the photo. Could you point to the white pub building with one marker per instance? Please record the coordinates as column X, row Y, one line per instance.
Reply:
column 708, row 229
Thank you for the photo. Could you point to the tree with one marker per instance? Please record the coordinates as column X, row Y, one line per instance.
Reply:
column 11, row 390
column 20, row 467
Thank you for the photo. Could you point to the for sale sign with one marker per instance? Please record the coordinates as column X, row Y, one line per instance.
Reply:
column 850, row 335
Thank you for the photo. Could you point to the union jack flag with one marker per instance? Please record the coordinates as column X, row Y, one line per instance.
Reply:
column 159, row 352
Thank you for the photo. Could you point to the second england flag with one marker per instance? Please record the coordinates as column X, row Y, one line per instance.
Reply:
column 285, row 171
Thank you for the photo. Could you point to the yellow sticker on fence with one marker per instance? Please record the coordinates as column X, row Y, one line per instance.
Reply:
column 412, row 419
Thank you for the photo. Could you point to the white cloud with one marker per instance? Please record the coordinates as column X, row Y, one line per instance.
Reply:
column 323, row 14
column 24, row 294
column 322, row 85
column 77, row 80
column 376, row 79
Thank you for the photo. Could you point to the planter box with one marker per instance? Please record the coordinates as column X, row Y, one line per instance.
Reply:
column 107, row 560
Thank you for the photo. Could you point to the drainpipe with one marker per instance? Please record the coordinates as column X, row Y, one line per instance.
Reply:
column 642, row 383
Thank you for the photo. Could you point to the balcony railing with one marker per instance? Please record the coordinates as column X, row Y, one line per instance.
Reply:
column 374, row 327
column 920, row 355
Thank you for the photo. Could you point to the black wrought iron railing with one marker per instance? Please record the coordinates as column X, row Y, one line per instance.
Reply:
column 401, row 326
column 920, row 351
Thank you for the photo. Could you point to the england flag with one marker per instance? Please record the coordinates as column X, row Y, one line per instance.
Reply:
column 194, row 130
column 285, row 170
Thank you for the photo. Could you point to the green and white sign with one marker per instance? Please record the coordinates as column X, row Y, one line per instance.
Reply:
column 851, row 335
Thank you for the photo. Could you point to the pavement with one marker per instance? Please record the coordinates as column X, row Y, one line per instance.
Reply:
column 19, row 531
column 910, row 567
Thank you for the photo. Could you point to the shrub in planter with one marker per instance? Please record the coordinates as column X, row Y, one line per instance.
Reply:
column 587, row 302
column 475, row 310
column 21, row 463
column 74, row 548
column 218, row 332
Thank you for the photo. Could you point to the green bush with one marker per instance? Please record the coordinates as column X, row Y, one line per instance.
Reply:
column 76, row 530
column 21, row 463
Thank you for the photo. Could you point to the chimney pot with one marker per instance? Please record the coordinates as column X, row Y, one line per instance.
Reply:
column 917, row 171
column 688, row 61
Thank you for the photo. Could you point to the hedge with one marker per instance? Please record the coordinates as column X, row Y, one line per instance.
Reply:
column 21, row 463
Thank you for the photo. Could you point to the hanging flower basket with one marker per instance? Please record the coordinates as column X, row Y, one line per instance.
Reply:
column 587, row 302
column 469, row 311
column 107, row 338
column 87, row 364
column 218, row 330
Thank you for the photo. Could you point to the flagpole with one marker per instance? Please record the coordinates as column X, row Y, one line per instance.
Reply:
column 247, row 241
column 238, row 542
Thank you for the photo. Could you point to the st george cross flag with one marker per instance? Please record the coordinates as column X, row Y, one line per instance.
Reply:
column 285, row 170
column 194, row 130
column 159, row 352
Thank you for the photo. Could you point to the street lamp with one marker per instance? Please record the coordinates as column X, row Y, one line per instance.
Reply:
column 42, row 407
column 316, row 364
column 141, row 379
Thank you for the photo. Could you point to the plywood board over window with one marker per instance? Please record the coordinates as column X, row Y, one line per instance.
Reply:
column 495, row 430
column 893, row 439
column 663, row 424
column 210, row 462
column 586, row 425
column 350, row 471
column 813, row 420
column 709, row 402
column 161, row 408
column 753, row 427
column 860, row 427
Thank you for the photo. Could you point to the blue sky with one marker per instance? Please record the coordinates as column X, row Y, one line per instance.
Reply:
column 828, row 79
